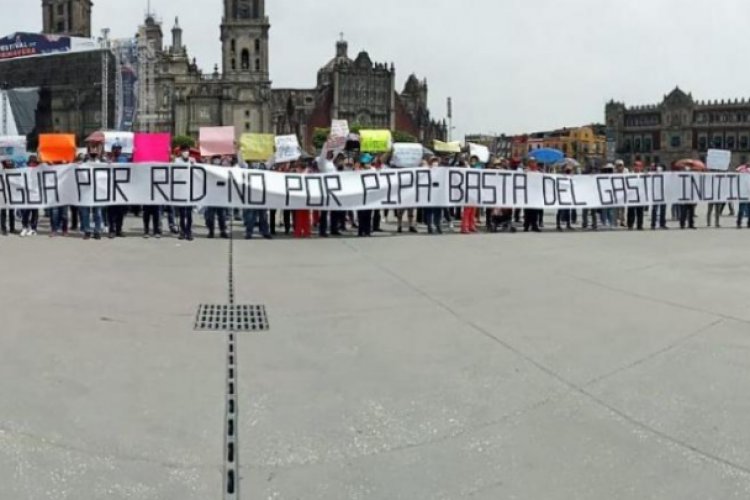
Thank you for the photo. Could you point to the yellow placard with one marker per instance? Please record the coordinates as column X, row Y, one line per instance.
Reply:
column 375, row 141
column 257, row 147
column 447, row 147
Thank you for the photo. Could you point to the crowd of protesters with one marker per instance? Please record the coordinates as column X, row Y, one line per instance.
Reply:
column 98, row 222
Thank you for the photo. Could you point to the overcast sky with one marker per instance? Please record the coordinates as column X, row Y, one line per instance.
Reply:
column 511, row 66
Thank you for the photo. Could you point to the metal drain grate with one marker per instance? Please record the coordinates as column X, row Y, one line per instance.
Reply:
column 231, row 318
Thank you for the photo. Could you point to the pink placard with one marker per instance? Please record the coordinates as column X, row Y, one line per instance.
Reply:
column 217, row 141
column 151, row 147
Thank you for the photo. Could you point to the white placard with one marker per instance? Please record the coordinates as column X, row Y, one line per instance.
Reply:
column 287, row 149
column 481, row 152
column 340, row 129
column 13, row 147
column 407, row 155
column 718, row 159
column 123, row 139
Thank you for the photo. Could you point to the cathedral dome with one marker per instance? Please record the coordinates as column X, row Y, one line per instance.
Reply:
column 341, row 59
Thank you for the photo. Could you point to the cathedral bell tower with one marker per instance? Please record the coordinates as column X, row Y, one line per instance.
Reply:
column 244, row 40
column 67, row 17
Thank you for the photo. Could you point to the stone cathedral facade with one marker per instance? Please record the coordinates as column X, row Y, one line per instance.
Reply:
column 174, row 95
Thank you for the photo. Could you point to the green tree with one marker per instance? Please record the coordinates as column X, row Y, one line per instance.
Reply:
column 320, row 136
column 400, row 136
column 179, row 141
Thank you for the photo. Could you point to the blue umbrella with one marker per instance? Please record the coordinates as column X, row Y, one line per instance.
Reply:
column 547, row 155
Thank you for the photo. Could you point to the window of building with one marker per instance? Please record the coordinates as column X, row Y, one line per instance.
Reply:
column 257, row 45
column 60, row 9
column 245, row 64
column 60, row 26
column 257, row 65
column 676, row 141
column 234, row 63
column 718, row 142
column 247, row 126
column 731, row 142
column 637, row 145
column 744, row 142
column 234, row 45
column 247, row 113
column 647, row 144
column 627, row 146
column 702, row 143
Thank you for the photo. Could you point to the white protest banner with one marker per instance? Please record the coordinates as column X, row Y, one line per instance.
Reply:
column 287, row 148
column 122, row 139
column 205, row 185
column 407, row 155
column 481, row 152
column 718, row 159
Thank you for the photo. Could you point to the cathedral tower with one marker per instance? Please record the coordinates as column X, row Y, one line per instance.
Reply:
column 244, row 40
column 67, row 17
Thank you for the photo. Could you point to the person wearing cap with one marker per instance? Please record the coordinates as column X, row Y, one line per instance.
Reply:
column 116, row 213
column 212, row 213
column 185, row 214
column 7, row 215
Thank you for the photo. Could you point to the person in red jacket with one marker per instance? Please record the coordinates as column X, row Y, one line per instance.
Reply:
column 302, row 223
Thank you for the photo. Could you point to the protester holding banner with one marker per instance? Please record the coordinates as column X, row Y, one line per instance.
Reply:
column 7, row 216
column 531, row 216
column 302, row 218
column 185, row 213
column 116, row 213
column 86, row 213
column 432, row 215
column 213, row 213
column 658, row 211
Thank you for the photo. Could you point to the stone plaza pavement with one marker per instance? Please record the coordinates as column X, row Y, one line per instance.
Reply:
column 532, row 367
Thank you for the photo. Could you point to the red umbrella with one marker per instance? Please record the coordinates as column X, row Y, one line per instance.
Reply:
column 690, row 164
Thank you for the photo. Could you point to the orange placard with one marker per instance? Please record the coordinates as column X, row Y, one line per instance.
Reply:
column 57, row 148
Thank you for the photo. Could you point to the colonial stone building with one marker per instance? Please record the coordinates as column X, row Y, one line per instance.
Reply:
column 67, row 17
column 175, row 96
column 361, row 92
column 678, row 127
